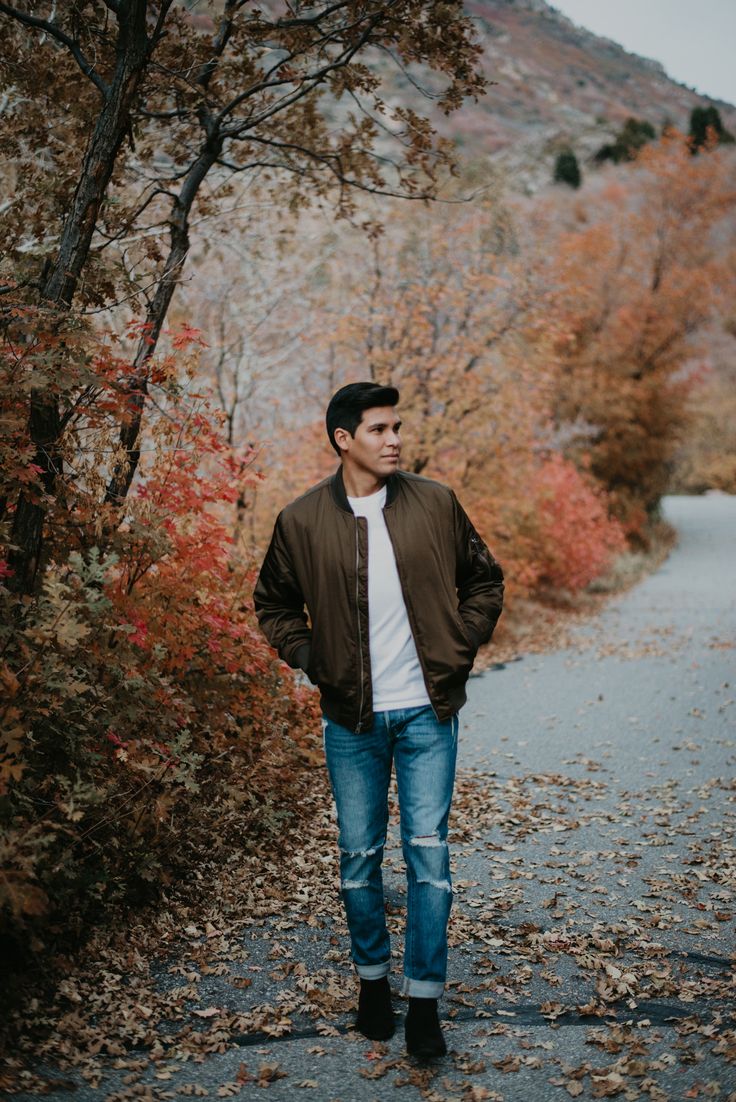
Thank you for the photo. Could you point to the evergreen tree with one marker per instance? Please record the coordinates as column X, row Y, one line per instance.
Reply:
column 704, row 120
column 634, row 134
column 567, row 169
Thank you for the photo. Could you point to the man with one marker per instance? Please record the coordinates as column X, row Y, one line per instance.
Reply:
column 400, row 591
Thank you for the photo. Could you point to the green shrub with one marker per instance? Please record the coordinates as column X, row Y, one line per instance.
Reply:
column 705, row 127
column 633, row 135
column 567, row 169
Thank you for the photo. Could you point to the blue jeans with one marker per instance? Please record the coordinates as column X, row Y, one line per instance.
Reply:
column 424, row 751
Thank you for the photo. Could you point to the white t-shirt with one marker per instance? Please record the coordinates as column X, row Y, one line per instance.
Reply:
column 397, row 675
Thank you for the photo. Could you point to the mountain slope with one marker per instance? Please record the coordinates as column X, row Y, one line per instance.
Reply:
column 556, row 84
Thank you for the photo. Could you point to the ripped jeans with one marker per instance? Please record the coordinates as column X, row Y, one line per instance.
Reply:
column 424, row 751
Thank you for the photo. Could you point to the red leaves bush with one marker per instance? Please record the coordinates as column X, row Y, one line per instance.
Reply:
column 549, row 524
column 146, row 723
column 576, row 537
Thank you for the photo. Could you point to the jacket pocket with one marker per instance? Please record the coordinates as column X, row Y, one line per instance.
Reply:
column 465, row 633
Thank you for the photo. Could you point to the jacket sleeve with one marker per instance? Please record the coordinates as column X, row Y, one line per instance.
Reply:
column 279, row 602
column 479, row 580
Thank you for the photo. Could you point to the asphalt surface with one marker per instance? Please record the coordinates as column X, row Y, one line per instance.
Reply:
column 596, row 804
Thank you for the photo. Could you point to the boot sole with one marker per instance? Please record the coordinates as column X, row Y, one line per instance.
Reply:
column 377, row 1035
column 424, row 1054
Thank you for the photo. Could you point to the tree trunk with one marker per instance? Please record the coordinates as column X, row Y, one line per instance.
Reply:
column 124, row 471
column 132, row 49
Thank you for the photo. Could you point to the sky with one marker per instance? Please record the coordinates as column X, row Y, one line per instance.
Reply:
column 695, row 40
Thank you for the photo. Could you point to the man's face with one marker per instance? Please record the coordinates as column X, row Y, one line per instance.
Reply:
column 376, row 446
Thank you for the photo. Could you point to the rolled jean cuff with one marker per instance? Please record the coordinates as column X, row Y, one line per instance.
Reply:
column 373, row 971
column 422, row 989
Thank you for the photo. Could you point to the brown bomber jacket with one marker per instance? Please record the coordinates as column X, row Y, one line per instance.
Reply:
column 318, row 557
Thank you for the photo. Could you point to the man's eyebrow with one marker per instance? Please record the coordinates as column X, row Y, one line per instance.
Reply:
column 384, row 424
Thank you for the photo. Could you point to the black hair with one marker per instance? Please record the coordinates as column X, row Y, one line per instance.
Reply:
column 345, row 409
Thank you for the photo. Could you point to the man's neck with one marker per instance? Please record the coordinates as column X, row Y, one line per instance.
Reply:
column 359, row 483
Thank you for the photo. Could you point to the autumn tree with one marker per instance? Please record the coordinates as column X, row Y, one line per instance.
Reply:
column 636, row 280
column 286, row 93
column 135, row 681
column 450, row 305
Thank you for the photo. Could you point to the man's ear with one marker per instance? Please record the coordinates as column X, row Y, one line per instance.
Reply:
column 342, row 439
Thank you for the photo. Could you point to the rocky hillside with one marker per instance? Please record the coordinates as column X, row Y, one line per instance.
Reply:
column 556, row 84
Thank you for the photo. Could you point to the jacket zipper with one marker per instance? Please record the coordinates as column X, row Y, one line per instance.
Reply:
column 360, row 630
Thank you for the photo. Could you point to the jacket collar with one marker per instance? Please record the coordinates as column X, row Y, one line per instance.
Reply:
column 340, row 497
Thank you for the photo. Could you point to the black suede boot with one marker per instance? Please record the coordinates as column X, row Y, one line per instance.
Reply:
column 422, row 1030
column 375, row 1014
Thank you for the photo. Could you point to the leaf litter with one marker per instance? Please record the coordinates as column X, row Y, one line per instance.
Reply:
column 134, row 1001
column 114, row 1012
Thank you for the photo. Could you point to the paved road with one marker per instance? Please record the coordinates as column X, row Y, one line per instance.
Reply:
column 593, row 930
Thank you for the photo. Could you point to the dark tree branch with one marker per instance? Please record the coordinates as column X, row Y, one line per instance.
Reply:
column 425, row 92
column 266, row 83
column 312, row 20
column 310, row 81
column 305, row 89
column 330, row 161
column 174, row 113
column 132, row 218
column 158, row 30
column 221, row 40
column 56, row 32
column 378, row 121
column 124, row 472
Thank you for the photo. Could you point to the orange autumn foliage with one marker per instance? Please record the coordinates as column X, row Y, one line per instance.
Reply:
column 447, row 306
column 544, row 355
column 635, row 281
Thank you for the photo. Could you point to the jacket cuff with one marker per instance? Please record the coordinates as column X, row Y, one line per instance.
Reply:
column 301, row 657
